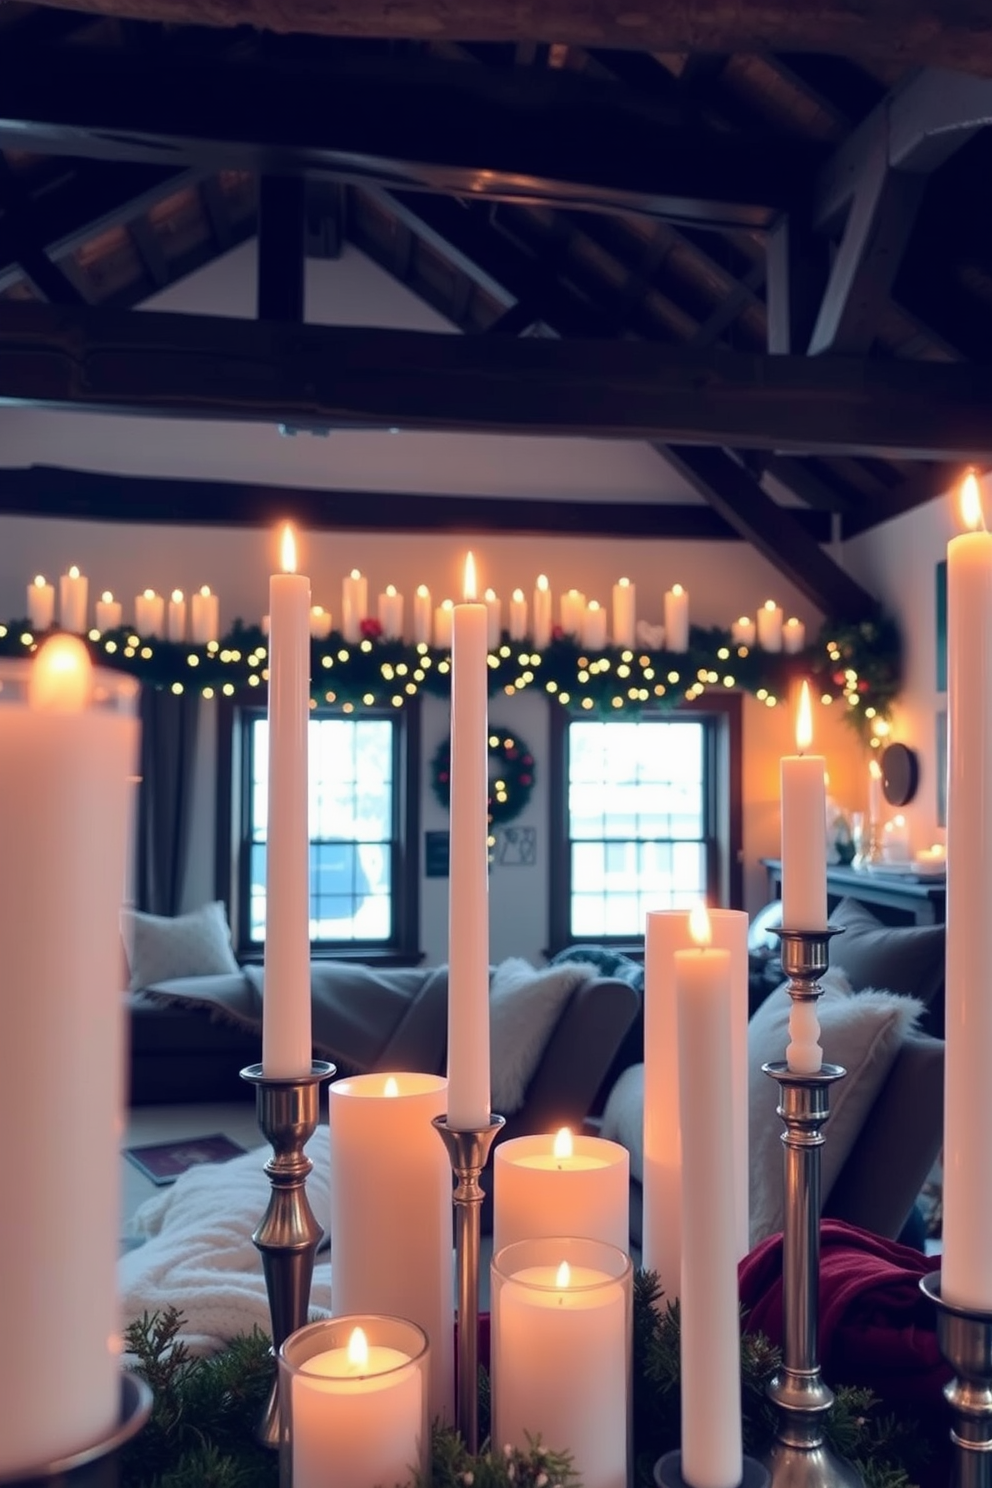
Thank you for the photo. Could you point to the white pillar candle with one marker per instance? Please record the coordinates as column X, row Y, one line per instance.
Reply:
column 624, row 612
column 874, row 792
column 176, row 616
column 572, row 609
column 468, row 883
column 109, row 613
column 676, row 619
column 561, row 1359
column 286, row 1037
column 264, row 625
column 542, row 613
column 354, row 604
column 320, row 623
column 742, row 632
column 494, row 619
column 668, row 932
column 770, row 626
column 966, row 1265
column 356, row 1408
column 561, row 1185
column 149, row 614
column 391, row 613
column 442, row 624
column 708, row 1302
column 204, row 617
column 895, row 840
column 518, row 616
column 73, row 600
column 793, row 636
column 41, row 604
column 391, row 1211
column 594, row 626
column 66, row 763
column 423, row 616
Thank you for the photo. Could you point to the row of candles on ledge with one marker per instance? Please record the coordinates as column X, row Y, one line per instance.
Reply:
column 198, row 619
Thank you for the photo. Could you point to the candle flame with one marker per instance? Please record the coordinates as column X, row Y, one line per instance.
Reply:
column 518, row 596
column 468, row 591
column 177, row 596
column 356, row 573
column 61, row 678
column 358, row 1349
column 391, row 591
column 624, row 583
column 391, row 1087
column 423, row 592
column 874, row 769
column 699, row 926
column 447, row 604
column 107, row 597
column 677, row 589
column 769, row 604
column 594, row 604
column 563, row 1276
column 971, row 503
column 205, row 590
column 288, row 550
column 39, row 581
column 804, row 720
column 74, row 572
column 542, row 581
column 149, row 594
column 746, row 619
column 562, row 1143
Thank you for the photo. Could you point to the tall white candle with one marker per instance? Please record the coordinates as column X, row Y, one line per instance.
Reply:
column 542, row 613
column 286, row 1036
column 354, row 604
column 770, row 626
column 73, row 598
column 391, row 613
column 67, row 752
column 710, row 1331
column 624, row 612
column 390, row 1207
column 423, row 616
column 966, row 1266
column 494, row 619
column 442, row 624
column 149, row 614
column 676, row 619
column 204, row 617
column 176, row 617
column 468, row 902
column 572, row 609
column 41, row 604
column 109, row 613
column 594, row 626
column 518, row 615
column 804, row 829
column 668, row 932
column 561, row 1185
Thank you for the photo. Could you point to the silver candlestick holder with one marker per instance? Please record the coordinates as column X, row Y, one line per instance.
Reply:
column 96, row 1465
column 468, row 1152
column 964, row 1337
column 799, row 1456
column 288, row 1234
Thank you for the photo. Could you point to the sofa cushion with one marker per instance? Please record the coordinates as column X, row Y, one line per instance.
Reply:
column 524, row 1007
column 902, row 958
column 162, row 949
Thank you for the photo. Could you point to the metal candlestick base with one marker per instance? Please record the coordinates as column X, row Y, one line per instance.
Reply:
column 964, row 1337
column 468, row 1152
column 95, row 1466
column 668, row 1472
column 799, row 1456
column 288, row 1234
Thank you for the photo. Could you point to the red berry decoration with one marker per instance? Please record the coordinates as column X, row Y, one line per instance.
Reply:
column 509, row 761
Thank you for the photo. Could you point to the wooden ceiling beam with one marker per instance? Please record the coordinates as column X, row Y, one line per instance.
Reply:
column 281, row 283
column 212, row 367
column 59, row 492
column 49, row 280
column 451, row 128
column 949, row 33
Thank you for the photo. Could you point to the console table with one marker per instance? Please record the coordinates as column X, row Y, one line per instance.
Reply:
column 898, row 899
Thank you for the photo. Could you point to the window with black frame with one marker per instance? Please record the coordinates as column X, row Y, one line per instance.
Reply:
column 358, row 887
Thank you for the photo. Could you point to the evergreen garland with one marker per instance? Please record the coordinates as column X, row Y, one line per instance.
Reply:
column 201, row 1433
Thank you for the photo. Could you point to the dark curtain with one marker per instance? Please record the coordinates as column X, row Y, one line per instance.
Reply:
column 165, row 797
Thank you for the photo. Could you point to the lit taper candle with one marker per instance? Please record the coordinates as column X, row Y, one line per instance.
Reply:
column 286, row 1037
column 468, row 922
column 804, row 829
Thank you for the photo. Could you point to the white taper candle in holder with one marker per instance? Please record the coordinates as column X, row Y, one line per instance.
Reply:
column 68, row 754
column 286, row 1034
column 804, row 870
column 966, row 1264
column 712, row 1456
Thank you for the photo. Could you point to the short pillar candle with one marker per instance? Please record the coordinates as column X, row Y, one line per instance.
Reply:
column 561, row 1185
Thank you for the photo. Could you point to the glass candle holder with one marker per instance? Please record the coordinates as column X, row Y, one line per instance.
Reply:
column 353, row 1394
column 561, row 1319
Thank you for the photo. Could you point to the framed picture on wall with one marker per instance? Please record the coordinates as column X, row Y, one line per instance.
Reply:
column 940, row 755
column 940, row 612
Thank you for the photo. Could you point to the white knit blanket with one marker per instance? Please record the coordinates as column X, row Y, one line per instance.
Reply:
column 198, row 1254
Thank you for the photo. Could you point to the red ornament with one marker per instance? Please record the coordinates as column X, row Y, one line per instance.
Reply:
column 370, row 628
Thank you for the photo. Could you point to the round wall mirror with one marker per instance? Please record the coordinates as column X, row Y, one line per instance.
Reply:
column 900, row 774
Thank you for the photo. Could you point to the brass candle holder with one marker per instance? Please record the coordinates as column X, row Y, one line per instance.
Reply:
column 288, row 1234
column 964, row 1337
column 799, row 1456
column 96, row 1465
column 468, row 1152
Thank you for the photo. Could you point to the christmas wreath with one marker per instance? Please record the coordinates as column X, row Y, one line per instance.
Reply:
column 511, row 775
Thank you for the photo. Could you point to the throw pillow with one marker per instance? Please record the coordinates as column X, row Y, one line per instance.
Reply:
column 623, row 1117
column 903, row 958
column 160, row 948
column 524, row 1007
column 862, row 1031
